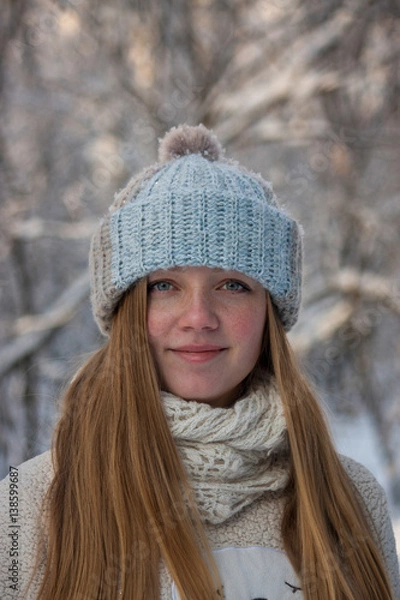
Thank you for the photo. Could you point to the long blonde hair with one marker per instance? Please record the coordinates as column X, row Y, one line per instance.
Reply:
column 120, row 501
column 324, row 528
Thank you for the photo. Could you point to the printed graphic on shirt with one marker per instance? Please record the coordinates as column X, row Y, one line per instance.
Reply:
column 255, row 574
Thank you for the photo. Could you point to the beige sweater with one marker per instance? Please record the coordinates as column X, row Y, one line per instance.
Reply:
column 248, row 545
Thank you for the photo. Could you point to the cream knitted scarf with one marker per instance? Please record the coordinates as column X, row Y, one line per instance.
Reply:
column 232, row 455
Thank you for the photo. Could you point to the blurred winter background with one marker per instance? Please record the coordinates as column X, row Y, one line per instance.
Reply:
column 305, row 92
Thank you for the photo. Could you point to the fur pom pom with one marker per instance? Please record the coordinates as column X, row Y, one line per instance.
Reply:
column 185, row 139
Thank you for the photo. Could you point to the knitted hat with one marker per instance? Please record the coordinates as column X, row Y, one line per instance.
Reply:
column 195, row 208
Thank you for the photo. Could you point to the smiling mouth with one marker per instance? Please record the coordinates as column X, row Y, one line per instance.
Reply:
column 198, row 354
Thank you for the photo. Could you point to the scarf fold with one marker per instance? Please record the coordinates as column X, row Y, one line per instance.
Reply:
column 231, row 455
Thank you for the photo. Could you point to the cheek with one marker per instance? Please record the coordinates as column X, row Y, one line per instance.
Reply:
column 156, row 325
column 249, row 327
column 158, row 317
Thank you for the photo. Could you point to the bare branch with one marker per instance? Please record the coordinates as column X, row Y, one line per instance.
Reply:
column 33, row 229
column 294, row 78
column 352, row 283
column 322, row 327
column 34, row 330
column 368, row 286
column 293, row 134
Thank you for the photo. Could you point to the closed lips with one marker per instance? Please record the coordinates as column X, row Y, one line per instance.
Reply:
column 198, row 349
column 198, row 354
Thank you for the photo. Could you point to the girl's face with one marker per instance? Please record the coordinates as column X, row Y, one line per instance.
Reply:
column 205, row 330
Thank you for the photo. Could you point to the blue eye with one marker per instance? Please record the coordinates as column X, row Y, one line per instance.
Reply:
column 160, row 286
column 235, row 286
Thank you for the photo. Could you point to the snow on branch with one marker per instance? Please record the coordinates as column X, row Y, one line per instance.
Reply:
column 322, row 325
column 33, row 229
column 293, row 77
column 33, row 330
column 367, row 286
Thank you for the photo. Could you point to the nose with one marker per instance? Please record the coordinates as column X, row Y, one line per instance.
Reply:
column 198, row 313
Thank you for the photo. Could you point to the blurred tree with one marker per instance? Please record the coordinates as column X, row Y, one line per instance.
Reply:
column 307, row 88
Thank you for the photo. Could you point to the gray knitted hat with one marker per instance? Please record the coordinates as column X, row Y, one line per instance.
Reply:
column 195, row 208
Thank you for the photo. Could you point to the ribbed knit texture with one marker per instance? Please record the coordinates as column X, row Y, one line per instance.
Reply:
column 196, row 211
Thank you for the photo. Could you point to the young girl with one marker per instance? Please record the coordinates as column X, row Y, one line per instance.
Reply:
column 192, row 460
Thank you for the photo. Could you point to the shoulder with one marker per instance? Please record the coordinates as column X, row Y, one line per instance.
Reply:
column 28, row 482
column 364, row 481
column 376, row 507
column 370, row 492
column 33, row 473
column 21, row 524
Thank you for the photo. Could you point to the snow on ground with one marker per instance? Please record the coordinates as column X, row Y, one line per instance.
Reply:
column 356, row 437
